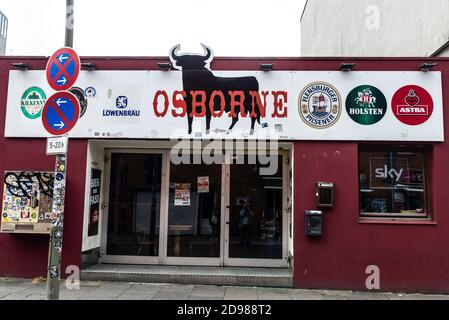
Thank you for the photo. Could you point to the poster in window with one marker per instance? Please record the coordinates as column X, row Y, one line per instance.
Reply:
column 203, row 184
column 387, row 173
column 182, row 194
column 94, row 202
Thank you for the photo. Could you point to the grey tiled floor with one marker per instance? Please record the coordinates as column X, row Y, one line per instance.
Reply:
column 23, row 289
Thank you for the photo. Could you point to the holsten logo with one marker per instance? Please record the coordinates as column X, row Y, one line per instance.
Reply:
column 366, row 104
column 121, row 103
column 319, row 105
column 385, row 173
column 32, row 102
column 412, row 105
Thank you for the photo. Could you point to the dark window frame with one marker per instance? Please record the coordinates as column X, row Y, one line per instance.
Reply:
column 427, row 151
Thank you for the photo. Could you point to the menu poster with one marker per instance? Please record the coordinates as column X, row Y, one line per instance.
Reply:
column 182, row 194
column 94, row 202
column 203, row 184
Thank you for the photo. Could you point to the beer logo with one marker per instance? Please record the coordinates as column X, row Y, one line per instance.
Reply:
column 32, row 102
column 366, row 105
column 412, row 105
column 319, row 105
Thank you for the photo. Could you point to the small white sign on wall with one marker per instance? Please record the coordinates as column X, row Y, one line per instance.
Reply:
column 57, row 145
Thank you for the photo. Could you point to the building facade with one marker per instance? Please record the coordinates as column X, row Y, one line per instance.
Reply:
column 3, row 33
column 379, row 28
column 368, row 149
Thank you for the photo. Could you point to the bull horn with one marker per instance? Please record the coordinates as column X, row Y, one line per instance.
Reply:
column 173, row 52
column 207, row 52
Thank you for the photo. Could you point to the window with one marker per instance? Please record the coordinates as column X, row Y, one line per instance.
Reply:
column 392, row 182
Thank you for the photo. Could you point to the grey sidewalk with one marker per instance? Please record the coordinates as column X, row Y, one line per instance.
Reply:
column 24, row 289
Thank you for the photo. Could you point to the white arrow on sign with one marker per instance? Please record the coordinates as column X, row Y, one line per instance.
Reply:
column 62, row 58
column 63, row 80
column 60, row 125
column 60, row 101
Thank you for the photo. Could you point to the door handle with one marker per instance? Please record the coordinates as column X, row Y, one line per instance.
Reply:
column 227, row 222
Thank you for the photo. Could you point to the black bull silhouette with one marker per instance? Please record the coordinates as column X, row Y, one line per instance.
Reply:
column 197, row 77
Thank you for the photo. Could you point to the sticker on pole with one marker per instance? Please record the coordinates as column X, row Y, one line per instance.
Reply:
column 60, row 113
column 63, row 68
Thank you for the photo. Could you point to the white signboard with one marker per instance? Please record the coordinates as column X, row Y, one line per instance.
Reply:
column 287, row 105
column 57, row 145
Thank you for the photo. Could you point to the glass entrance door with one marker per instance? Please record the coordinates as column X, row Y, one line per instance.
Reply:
column 255, row 215
column 133, row 222
column 194, row 214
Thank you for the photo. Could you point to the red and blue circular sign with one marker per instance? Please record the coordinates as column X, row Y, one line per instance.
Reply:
column 63, row 68
column 60, row 113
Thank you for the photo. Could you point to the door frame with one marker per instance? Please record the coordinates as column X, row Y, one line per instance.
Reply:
column 193, row 261
column 162, row 258
column 128, row 259
column 255, row 262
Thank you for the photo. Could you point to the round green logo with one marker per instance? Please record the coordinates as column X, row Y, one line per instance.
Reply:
column 366, row 104
column 32, row 102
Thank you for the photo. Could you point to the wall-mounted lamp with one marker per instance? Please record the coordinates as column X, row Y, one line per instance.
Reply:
column 165, row 66
column 89, row 66
column 20, row 65
column 347, row 66
column 266, row 66
column 426, row 66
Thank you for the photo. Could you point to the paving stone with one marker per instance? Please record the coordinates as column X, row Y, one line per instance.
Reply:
column 237, row 293
column 36, row 297
column 368, row 296
column 273, row 294
column 300, row 295
column 143, row 289
column 170, row 295
column 16, row 296
column 187, row 289
column 209, row 291
column 136, row 296
column 192, row 297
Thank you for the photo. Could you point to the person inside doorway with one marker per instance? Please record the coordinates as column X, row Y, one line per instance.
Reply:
column 213, row 221
column 245, row 223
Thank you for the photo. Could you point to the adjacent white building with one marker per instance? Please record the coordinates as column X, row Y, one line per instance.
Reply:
column 375, row 28
column 3, row 33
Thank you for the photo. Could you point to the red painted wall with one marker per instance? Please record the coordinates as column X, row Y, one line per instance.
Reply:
column 24, row 255
column 411, row 257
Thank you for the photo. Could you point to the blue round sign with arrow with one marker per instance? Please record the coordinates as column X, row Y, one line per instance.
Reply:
column 63, row 68
column 60, row 113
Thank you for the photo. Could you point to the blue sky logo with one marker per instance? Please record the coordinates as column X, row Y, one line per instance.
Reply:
column 121, row 102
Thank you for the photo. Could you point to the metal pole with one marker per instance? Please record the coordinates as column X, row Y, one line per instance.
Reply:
column 56, row 231
column 69, row 23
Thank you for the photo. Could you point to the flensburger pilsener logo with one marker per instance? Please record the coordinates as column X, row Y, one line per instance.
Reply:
column 366, row 104
column 319, row 105
column 121, row 105
column 32, row 102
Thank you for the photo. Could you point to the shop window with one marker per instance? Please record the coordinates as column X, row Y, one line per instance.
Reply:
column 393, row 182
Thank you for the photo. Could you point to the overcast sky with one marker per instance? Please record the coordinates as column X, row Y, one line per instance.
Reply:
column 144, row 27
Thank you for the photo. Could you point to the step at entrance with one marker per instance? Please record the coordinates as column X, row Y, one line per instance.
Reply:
column 231, row 276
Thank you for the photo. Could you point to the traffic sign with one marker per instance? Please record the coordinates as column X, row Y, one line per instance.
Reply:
column 63, row 68
column 60, row 113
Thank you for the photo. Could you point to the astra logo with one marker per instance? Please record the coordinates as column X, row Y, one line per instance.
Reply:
column 385, row 173
column 121, row 102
